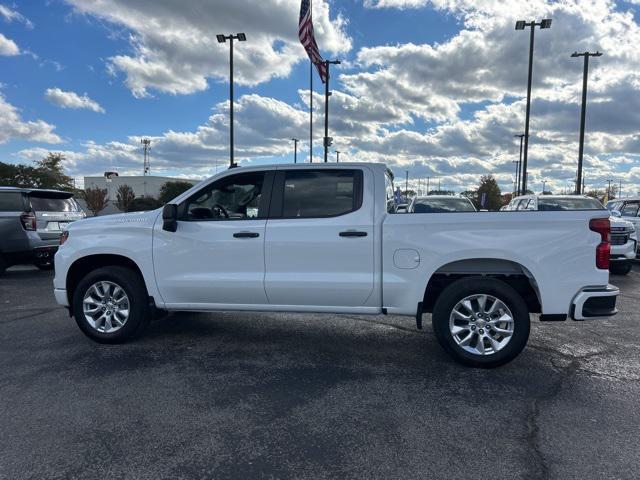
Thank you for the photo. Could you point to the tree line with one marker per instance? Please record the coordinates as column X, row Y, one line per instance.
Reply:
column 48, row 173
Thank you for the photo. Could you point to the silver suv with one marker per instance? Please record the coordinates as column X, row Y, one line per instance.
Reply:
column 31, row 222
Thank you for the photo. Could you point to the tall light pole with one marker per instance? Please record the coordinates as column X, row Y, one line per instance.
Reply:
column 327, row 139
column 544, row 182
column 337, row 156
column 609, row 190
column 519, row 170
column 295, row 150
column 406, row 182
column 428, row 180
column 241, row 37
column 583, row 112
column 520, row 25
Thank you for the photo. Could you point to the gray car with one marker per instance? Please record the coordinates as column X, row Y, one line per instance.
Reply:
column 31, row 221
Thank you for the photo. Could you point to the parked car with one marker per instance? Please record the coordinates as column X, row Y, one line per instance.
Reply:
column 624, row 237
column 628, row 209
column 326, row 238
column 31, row 221
column 441, row 204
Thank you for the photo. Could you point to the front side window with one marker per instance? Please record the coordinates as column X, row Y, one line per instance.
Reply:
column 236, row 197
column 630, row 209
column 320, row 193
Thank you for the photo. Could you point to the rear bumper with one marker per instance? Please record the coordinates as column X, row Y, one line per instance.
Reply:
column 595, row 302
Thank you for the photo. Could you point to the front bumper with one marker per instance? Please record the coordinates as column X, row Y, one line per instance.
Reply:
column 595, row 302
column 624, row 252
column 61, row 296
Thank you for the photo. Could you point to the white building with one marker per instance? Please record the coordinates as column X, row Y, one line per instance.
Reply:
column 142, row 186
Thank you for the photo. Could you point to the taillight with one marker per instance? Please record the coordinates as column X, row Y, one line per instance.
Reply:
column 28, row 220
column 603, row 250
column 63, row 237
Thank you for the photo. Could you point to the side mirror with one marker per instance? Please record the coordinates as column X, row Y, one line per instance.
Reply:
column 170, row 217
column 615, row 213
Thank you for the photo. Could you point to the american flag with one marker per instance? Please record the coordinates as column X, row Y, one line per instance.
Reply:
column 305, row 33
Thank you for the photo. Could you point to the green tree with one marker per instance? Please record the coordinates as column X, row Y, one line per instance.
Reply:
column 171, row 190
column 96, row 199
column 46, row 173
column 124, row 197
column 140, row 204
column 491, row 191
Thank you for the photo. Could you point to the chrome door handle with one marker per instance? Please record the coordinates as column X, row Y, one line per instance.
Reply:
column 246, row 235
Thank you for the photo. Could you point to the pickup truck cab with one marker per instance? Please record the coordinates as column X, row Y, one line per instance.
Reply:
column 624, row 236
column 324, row 238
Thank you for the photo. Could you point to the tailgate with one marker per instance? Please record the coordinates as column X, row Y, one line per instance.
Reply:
column 54, row 211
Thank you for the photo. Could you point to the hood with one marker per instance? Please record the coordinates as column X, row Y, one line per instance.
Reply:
column 617, row 222
column 132, row 218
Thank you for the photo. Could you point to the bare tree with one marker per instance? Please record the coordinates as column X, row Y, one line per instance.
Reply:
column 124, row 196
column 96, row 199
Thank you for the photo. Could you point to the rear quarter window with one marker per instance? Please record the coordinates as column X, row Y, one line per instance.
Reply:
column 11, row 202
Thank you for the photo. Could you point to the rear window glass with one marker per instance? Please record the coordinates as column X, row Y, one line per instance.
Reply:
column 577, row 203
column 11, row 202
column 43, row 204
column 442, row 205
column 311, row 193
column 630, row 210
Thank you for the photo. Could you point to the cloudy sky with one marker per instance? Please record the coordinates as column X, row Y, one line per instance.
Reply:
column 435, row 87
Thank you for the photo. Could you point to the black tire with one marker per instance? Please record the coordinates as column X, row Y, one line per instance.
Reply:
column 139, row 312
column 3, row 265
column 620, row 268
column 465, row 287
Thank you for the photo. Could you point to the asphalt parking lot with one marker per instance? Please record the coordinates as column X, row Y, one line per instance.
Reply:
column 247, row 395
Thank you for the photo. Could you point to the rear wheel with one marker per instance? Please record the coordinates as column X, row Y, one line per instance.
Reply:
column 620, row 268
column 110, row 305
column 481, row 322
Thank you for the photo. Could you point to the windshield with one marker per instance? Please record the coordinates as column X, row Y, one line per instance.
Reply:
column 568, row 203
column 442, row 205
column 44, row 204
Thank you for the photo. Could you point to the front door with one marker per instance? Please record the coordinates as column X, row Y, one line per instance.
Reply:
column 319, row 245
column 216, row 255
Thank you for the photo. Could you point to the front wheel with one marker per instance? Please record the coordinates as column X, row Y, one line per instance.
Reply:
column 481, row 322
column 111, row 305
column 620, row 268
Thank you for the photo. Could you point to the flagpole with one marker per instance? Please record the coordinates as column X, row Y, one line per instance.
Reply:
column 311, row 92
column 310, row 111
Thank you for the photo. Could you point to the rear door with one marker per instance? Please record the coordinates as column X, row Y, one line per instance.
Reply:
column 319, row 244
column 13, row 237
column 54, row 211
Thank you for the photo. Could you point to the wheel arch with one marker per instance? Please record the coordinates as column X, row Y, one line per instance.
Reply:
column 513, row 273
column 84, row 265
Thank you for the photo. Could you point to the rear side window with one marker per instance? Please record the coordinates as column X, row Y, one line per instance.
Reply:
column 11, row 202
column 319, row 193
column 47, row 204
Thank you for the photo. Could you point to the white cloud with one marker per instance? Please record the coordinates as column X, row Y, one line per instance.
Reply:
column 176, row 51
column 13, row 127
column 65, row 99
column 8, row 47
column 11, row 15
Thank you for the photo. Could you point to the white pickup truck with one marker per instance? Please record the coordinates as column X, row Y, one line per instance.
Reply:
column 323, row 238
